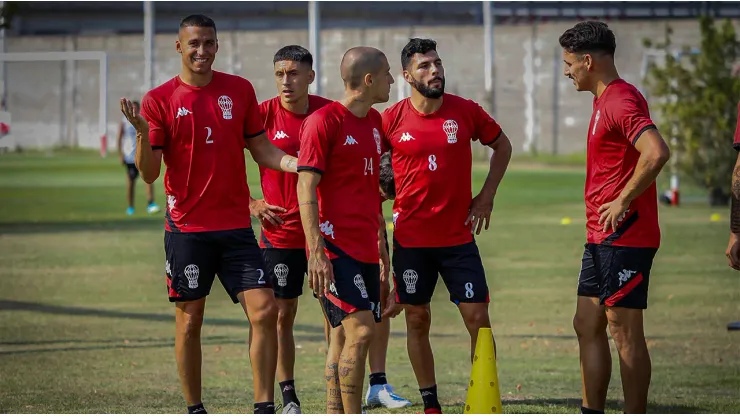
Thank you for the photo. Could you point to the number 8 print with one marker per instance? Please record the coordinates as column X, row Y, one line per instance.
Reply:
column 432, row 163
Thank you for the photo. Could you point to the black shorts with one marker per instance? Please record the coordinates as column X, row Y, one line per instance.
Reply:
column 286, row 269
column 618, row 276
column 356, row 288
column 131, row 171
column 415, row 272
column 194, row 259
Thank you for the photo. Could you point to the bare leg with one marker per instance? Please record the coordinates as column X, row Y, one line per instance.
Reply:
column 261, row 309
column 379, row 343
column 130, row 191
column 418, row 322
column 358, row 331
column 188, row 322
column 626, row 327
column 287, row 309
column 596, row 361
column 333, row 389
column 475, row 316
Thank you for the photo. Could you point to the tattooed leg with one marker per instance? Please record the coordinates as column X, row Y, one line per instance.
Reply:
column 333, row 392
column 735, row 198
column 358, row 328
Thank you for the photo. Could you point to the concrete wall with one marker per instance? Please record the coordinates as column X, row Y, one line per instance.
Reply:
column 57, row 103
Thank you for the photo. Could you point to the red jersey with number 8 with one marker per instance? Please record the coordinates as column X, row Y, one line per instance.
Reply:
column 345, row 150
column 620, row 116
column 202, row 133
column 432, row 166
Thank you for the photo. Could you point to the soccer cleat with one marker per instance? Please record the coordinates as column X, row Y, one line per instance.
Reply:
column 432, row 411
column 130, row 211
column 292, row 409
column 152, row 208
column 733, row 326
column 382, row 395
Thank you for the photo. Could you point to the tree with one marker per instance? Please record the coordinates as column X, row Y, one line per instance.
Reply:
column 697, row 95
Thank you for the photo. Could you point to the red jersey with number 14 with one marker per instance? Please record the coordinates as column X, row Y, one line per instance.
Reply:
column 279, row 188
column 619, row 117
column 432, row 165
column 345, row 150
column 202, row 133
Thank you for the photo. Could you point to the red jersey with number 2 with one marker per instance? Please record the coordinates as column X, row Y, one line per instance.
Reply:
column 345, row 150
column 620, row 116
column 202, row 133
column 432, row 165
column 279, row 188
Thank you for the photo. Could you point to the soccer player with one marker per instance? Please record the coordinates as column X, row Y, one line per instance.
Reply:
column 340, row 213
column 434, row 213
column 625, row 153
column 199, row 123
column 127, row 153
column 282, row 241
column 733, row 248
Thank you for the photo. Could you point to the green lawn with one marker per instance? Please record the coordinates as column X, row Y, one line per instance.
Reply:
column 85, row 325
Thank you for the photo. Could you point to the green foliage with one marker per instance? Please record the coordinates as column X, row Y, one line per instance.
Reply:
column 697, row 95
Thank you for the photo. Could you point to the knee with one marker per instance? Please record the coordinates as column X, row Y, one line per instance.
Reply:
column 189, row 324
column 286, row 314
column 266, row 316
column 363, row 334
column 418, row 319
column 626, row 334
column 587, row 326
column 477, row 318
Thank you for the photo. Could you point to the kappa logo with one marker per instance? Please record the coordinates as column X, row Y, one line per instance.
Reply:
column 327, row 228
column 350, row 140
column 625, row 275
column 182, row 112
column 596, row 121
column 406, row 137
column 280, row 135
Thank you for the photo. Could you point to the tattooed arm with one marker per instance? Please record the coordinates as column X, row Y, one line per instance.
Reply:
column 733, row 248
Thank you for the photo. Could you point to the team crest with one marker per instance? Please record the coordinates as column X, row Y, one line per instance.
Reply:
column 376, row 136
column 225, row 103
column 450, row 129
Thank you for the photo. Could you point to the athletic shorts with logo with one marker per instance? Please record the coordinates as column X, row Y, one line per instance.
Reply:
column 131, row 171
column 194, row 259
column 356, row 288
column 415, row 272
column 286, row 269
column 618, row 276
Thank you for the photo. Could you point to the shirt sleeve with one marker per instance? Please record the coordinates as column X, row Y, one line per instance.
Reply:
column 315, row 137
column 630, row 117
column 253, row 125
column 386, row 120
column 152, row 112
column 487, row 130
column 736, row 141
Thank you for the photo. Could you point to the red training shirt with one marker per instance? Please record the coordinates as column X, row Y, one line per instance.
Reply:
column 279, row 188
column 346, row 150
column 619, row 117
column 432, row 165
column 202, row 132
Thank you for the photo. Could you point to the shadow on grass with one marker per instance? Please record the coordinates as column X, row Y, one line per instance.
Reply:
column 611, row 405
column 153, row 223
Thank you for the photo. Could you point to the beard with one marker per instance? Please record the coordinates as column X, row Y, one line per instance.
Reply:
column 427, row 91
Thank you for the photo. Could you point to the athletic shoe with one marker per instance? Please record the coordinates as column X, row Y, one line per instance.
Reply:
column 152, row 208
column 292, row 409
column 130, row 211
column 382, row 395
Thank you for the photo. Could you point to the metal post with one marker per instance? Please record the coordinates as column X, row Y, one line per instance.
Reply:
column 103, row 117
column 556, row 100
column 148, row 45
column 314, row 43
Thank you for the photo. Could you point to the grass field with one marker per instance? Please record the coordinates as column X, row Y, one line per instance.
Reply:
column 85, row 325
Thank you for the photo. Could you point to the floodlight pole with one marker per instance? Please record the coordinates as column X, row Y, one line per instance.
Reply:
column 314, row 43
column 148, row 45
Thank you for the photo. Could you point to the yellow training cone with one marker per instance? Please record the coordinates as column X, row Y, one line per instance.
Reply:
column 565, row 221
column 484, row 395
column 715, row 218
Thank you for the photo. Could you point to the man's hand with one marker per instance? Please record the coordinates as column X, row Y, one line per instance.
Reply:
column 612, row 213
column 264, row 211
column 733, row 251
column 320, row 272
column 137, row 120
column 480, row 209
column 392, row 309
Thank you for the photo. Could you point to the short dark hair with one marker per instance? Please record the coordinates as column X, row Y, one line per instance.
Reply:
column 198, row 20
column 293, row 53
column 387, row 180
column 589, row 37
column 416, row 45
